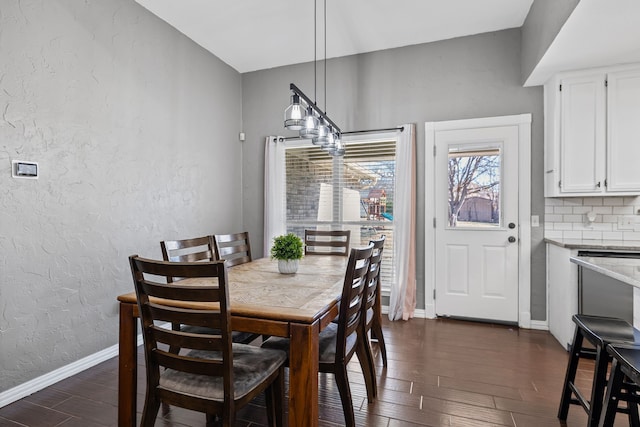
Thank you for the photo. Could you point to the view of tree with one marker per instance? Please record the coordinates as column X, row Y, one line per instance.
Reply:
column 469, row 176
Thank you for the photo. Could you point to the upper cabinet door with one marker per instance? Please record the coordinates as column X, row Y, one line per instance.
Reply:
column 582, row 134
column 623, row 131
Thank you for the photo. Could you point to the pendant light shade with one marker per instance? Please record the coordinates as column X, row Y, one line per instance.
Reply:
column 310, row 127
column 323, row 133
column 294, row 114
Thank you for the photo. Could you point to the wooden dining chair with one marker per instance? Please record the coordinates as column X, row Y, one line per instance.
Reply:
column 214, row 376
column 188, row 250
column 197, row 249
column 327, row 242
column 372, row 317
column 233, row 248
column 339, row 341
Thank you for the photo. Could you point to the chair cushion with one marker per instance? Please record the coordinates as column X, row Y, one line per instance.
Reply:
column 326, row 343
column 251, row 365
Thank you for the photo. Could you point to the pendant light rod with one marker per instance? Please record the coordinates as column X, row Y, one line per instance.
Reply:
column 313, row 106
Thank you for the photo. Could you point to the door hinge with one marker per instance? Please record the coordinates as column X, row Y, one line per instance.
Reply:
column 434, row 222
column 434, row 151
column 559, row 184
column 434, row 294
column 606, row 83
column 605, row 183
column 560, row 88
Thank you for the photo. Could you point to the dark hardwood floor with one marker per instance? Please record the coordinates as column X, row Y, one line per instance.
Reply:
column 441, row 373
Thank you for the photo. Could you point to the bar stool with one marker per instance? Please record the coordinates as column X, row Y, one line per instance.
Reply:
column 599, row 331
column 624, row 381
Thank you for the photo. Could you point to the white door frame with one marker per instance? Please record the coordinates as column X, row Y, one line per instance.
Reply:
column 523, row 121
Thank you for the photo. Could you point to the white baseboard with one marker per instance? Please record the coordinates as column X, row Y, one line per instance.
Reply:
column 50, row 378
column 540, row 325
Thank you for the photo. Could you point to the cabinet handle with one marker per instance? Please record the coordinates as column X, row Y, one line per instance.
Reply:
column 598, row 184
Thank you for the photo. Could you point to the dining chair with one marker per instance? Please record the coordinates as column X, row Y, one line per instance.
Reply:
column 339, row 341
column 372, row 317
column 197, row 249
column 233, row 248
column 327, row 242
column 214, row 376
column 188, row 250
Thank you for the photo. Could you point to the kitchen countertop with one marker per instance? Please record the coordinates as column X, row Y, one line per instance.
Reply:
column 610, row 245
column 626, row 270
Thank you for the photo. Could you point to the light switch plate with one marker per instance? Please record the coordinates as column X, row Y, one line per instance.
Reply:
column 24, row 169
column 535, row 221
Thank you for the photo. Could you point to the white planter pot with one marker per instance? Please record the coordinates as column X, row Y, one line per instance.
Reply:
column 288, row 266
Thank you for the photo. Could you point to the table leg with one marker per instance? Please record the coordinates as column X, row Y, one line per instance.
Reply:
column 303, row 375
column 127, row 366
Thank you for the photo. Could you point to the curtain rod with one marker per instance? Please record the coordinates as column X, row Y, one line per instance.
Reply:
column 353, row 132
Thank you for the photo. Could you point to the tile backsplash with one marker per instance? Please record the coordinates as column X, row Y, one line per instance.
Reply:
column 567, row 218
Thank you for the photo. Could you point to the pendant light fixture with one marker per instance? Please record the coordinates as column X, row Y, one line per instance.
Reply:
column 304, row 115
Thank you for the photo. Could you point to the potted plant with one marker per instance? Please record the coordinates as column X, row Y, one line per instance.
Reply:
column 287, row 249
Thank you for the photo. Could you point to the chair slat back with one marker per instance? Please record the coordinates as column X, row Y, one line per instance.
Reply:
column 327, row 242
column 372, row 294
column 355, row 282
column 187, row 309
column 233, row 248
column 196, row 249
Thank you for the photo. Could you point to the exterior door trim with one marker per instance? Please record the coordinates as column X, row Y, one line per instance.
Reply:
column 523, row 121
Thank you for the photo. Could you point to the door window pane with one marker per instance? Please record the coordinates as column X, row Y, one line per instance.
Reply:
column 474, row 187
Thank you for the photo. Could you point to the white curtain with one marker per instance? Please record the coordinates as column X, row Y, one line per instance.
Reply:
column 274, row 191
column 402, row 301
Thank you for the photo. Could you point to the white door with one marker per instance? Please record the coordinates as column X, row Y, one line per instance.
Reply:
column 476, row 223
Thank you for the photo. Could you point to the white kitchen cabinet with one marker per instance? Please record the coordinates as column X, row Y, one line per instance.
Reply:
column 562, row 291
column 592, row 133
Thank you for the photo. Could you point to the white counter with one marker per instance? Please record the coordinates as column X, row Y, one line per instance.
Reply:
column 626, row 270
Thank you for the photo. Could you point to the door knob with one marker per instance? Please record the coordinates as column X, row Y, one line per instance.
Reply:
column 511, row 225
column 511, row 239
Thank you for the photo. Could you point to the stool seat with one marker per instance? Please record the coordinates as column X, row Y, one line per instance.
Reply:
column 603, row 330
column 600, row 332
column 623, row 383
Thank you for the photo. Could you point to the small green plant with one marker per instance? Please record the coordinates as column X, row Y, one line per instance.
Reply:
column 288, row 246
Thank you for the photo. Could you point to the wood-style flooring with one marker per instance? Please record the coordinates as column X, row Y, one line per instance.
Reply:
column 440, row 373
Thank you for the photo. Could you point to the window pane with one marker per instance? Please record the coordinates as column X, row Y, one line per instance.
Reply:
column 353, row 192
column 474, row 188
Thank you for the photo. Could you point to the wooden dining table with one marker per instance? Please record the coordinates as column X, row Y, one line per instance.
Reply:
column 262, row 300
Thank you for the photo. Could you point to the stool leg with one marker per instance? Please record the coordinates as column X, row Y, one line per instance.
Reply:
column 612, row 396
column 599, row 383
column 572, row 367
column 634, row 420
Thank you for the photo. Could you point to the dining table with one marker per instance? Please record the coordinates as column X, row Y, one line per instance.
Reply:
column 263, row 301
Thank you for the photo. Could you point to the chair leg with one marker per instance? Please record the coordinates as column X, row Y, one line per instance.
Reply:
column 150, row 412
column 572, row 368
column 363, row 351
column 599, row 384
column 274, row 396
column 612, row 396
column 376, row 330
column 345, row 396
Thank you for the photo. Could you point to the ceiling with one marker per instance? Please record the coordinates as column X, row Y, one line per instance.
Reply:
column 252, row 35
column 598, row 33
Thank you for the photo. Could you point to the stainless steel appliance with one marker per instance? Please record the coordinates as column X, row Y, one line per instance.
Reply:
column 601, row 295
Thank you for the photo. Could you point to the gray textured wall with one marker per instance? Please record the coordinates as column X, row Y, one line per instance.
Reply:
column 545, row 19
column 135, row 129
column 476, row 76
